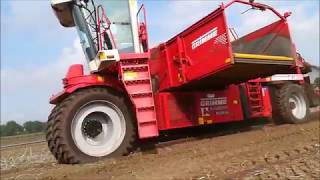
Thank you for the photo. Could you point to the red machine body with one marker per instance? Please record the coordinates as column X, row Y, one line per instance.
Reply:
column 191, row 79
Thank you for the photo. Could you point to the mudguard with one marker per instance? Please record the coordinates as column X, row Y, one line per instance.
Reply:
column 75, row 80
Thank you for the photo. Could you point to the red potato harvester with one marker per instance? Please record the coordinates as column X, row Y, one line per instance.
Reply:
column 196, row 78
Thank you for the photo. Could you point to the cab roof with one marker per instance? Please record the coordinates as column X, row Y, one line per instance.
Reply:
column 63, row 11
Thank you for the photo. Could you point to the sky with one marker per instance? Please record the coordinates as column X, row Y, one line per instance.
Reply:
column 36, row 50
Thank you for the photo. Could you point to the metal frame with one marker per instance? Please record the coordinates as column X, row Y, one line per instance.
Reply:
column 259, row 6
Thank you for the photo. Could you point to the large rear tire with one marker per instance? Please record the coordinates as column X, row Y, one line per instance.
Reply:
column 290, row 104
column 49, row 133
column 89, row 125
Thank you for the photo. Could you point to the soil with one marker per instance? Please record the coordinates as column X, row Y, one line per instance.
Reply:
column 235, row 151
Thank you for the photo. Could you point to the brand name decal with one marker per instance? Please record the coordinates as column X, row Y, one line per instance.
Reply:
column 204, row 38
column 213, row 101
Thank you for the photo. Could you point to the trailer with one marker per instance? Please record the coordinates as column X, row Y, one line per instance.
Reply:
column 199, row 77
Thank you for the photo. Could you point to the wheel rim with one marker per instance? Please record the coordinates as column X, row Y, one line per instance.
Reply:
column 98, row 128
column 298, row 106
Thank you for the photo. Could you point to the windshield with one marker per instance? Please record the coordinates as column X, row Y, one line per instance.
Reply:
column 86, row 38
column 118, row 13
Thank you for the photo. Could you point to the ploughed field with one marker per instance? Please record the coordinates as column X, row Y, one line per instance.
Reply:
column 244, row 150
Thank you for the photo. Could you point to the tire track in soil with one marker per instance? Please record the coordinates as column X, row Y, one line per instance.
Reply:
column 301, row 162
column 286, row 151
column 263, row 149
column 248, row 168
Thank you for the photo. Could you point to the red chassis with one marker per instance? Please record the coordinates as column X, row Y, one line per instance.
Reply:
column 182, row 109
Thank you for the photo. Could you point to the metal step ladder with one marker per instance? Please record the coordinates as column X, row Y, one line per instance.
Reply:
column 255, row 99
column 135, row 75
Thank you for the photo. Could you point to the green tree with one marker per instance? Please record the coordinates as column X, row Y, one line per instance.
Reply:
column 34, row 126
column 3, row 130
column 11, row 128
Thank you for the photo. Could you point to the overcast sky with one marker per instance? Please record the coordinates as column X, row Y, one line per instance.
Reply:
column 36, row 51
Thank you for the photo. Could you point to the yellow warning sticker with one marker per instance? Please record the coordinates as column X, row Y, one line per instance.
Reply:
column 130, row 75
column 228, row 60
column 235, row 101
column 201, row 120
column 209, row 121
column 100, row 79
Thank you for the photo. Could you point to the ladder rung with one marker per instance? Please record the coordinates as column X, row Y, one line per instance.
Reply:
column 133, row 93
column 137, row 81
column 141, row 94
column 256, row 114
column 133, row 62
column 254, row 99
column 256, row 107
column 148, row 121
column 129, row 67
column 255, row 93
column 146, row 108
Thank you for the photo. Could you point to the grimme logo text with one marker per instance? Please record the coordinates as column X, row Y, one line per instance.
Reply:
column 204, row 38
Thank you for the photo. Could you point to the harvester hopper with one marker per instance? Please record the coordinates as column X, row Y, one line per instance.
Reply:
column 203, row 56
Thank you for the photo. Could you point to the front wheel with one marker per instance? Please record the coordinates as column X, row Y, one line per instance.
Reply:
column 92, row 124
column 290, row 104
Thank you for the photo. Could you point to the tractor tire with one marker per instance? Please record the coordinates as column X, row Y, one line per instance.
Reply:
column 90, row 125
column 49, row 134
column 289, row 104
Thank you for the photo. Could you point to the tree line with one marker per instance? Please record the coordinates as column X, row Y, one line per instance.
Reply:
column 12, row 128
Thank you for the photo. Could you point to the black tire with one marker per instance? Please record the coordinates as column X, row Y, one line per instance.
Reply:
column 63, row 146
column 49, row 133
column 282, row 108
column 314, row 99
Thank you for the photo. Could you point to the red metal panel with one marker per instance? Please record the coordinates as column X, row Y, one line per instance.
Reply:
column 75, row 80
column 200, row 50
column 267, row 110
column 175, row 110
column 160, row 67
column 211, row 55
column 219, row 106
column 131, row 56
column 181, row 109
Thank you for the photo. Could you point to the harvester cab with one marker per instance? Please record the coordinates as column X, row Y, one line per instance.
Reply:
column 105, row 28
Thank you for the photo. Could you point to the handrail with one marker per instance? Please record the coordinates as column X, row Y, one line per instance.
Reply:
column 106, row 19
column 143, row 9
column 260, row 6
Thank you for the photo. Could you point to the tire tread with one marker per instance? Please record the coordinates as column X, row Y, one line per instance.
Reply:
column 57, row 137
